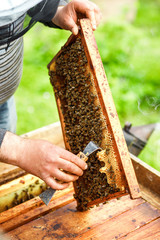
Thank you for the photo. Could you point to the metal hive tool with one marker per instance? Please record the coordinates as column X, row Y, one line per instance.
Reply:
column 87, row 113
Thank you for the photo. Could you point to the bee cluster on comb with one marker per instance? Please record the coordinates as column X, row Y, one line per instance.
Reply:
column 72, row 85
column 93, row 185
column 84, row 121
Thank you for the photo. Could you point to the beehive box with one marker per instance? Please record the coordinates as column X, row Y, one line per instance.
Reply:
column 122, row 218
column 87, row 113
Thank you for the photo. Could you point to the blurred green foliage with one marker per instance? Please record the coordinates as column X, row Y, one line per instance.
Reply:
column 36, row 105
column 130, row 53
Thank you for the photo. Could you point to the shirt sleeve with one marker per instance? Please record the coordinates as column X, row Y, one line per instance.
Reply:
column 63, row 2
column 2, row 134
column 48, row 9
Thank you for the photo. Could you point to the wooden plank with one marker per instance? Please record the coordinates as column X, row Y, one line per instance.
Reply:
column 18, row 184
column 150, row 196
column 123, row 224
column 146, row 175
column 36, row 213
column 149, row 181
column 147, row 232
column 27, row 216
column 29, row 205
column 20, row 209
column 66, row 222
column 9, row 172
column 20, row 190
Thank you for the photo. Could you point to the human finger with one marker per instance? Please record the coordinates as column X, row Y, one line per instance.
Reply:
column 50, row 181
column 66, row 155
column 97, row 13
column 65, row 177
column 89, row 9
column 91, row 15
column 72, row 26
column 70, row 167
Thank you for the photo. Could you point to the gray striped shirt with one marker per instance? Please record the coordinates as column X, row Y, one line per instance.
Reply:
column 11, row 60
column 11, row 56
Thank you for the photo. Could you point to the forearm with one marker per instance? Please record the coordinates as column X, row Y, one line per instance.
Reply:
column 11, row 150
column 42, row 159
column 51, row 24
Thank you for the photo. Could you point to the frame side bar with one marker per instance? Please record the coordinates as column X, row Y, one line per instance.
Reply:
column 109, row 107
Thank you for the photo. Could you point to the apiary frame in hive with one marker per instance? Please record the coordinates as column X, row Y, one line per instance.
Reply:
column 107, row 105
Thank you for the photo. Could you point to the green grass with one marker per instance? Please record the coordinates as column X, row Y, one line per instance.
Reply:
column 130, row 55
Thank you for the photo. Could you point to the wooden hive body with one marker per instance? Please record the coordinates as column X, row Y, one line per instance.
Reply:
column 87, row 113
column 122, row 218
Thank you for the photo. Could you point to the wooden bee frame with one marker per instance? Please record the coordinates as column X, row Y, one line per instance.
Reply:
column 108, row 109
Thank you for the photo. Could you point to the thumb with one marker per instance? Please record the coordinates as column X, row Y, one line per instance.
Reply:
column 74, row 29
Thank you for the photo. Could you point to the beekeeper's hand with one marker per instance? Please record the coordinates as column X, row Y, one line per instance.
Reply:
column 42, row 159
column 66, row 17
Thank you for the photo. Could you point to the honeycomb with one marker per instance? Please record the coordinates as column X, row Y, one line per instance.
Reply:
column 83, row 120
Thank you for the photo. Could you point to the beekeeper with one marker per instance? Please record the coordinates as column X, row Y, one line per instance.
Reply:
column 37, row 157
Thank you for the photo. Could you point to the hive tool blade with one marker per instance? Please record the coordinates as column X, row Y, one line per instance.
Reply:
column 48, row 194
column 90, row 148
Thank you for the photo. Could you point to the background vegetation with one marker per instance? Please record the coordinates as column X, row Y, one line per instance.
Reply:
column 131, row 57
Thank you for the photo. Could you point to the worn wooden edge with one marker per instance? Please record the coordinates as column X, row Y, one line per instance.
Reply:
column 8, row 173
column 19, row 190
column 32, row 204
column 148, row 231
column 106, row 199
column 146, row 175
column 149, row 181
column 66, row 200
column 150, row 196
column 109, row 107
column 37, row 212
column 123, row 223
